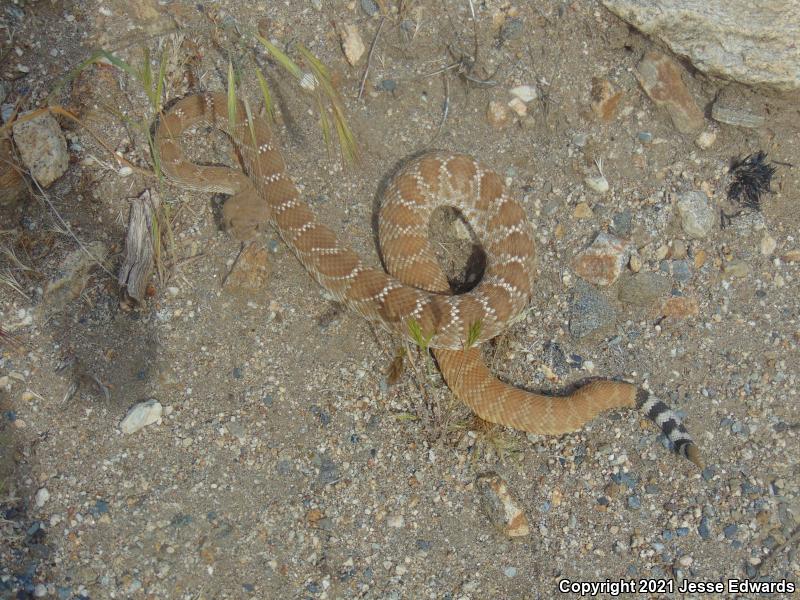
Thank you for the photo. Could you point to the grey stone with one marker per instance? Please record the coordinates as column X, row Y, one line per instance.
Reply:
column 42, row 147
column 736, row 105
column 590, row 312
column 370, row 7
column 643, row 289
column 502, row 508
column 622, row 223
column 697, row 215
column 751, row 42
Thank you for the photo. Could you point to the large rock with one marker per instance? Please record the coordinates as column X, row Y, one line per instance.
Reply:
column 42, row 147
column 661, row 79
column 751, row 42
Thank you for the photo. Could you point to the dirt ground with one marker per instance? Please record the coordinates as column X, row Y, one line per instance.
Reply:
column 286, row 465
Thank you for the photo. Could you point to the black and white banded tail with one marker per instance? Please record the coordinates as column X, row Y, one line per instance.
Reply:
column 669, row 423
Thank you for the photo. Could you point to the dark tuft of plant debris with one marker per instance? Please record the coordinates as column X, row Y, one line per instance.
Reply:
column 751, row 179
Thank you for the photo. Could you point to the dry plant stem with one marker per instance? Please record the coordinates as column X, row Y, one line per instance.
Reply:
column 369, row 58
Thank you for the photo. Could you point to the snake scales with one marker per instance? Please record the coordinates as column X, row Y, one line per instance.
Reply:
column 417, row 289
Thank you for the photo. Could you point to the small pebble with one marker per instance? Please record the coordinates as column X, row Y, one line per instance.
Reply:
column 697, row 215
column 705, row 140
column 141, row 415
column 510, row 572
column 526, row 93
column 370, row 7
column 42, row 496
column 704, row 529
column 768, row 245
column 497, row 114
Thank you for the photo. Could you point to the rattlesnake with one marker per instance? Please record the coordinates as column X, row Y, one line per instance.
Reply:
column 416, row 294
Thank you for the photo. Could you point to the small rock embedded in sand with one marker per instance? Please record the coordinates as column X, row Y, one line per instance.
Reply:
column 792, row 256
column 518, row 106
column 661, row 79
column 643, row 289
column 737, row 268
column 500, row 506
column 251, row 271
column 497, row 114
column 42, row 147
column 738, row 106
column 591, row 315
column 768, row 244
column 141, row 415
column 697, row 216
column 42, row 496
column 396, row 521
column 583, row 211
column 705, row 140
column 680, row 307
column 602, row 262
column 526, row 93
column 352, row 45
column 605, row 99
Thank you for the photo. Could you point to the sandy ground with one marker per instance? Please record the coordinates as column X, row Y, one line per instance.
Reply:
column 285, row 465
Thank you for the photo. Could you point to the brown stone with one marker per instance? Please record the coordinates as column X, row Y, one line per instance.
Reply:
column 661, row 79
column 792, row 256
column 681, row 307
column 583, row 211
column 605, row 99
column 497, row 114
column 251, row 270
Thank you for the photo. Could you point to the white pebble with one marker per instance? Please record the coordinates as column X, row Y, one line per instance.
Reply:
column 598, row 184
column 42, row 496
column 125, row 171
column 141, row 415
column 526, row 93
column 396, row 521
column 768, row 245
column 705, row 140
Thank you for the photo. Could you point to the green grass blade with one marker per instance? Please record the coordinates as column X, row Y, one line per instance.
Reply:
column 162, row 72
column 146, row 75
column 117, row 62
column 286, row 62
column 324, row 123
column 316, row 65
column 262, row 83
column 474, row 333
column 231, row 99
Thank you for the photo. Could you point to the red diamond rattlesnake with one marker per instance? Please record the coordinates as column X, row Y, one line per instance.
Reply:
column 417, row 289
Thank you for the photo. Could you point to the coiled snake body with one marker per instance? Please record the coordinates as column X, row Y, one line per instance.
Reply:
column 416, row 291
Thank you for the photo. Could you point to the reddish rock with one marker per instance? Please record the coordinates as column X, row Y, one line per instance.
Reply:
column 661, row 79
column 603, row 261
column 605, row 99
column 681, row 307
column 251, row 270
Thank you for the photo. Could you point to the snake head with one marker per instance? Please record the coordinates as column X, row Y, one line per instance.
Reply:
column 244, row 216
